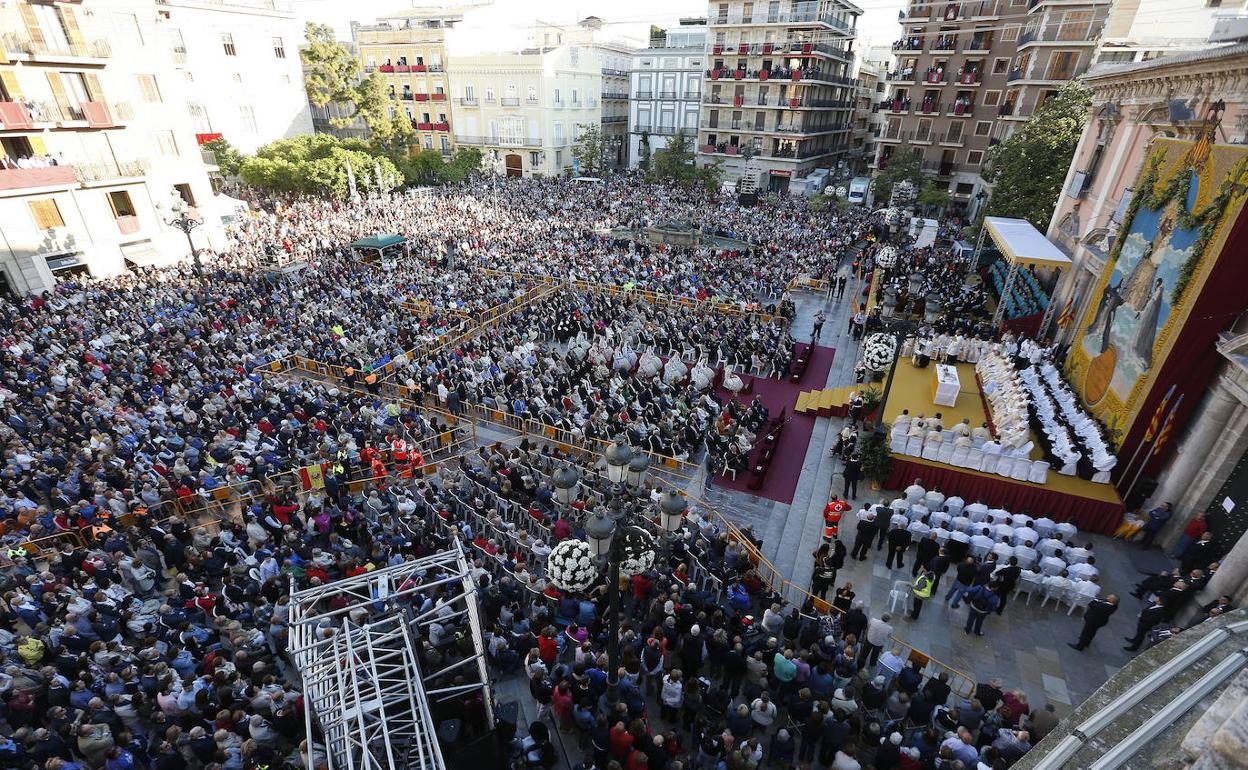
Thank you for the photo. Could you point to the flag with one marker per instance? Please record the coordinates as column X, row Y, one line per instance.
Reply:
column 1166, row 428
column 312, row 477
column 1068, row 312
column 1155, row 423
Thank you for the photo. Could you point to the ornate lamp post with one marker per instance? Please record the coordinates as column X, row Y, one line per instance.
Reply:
column 179, row 214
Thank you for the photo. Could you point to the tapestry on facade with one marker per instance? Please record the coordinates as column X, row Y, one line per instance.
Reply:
column 1186, row 198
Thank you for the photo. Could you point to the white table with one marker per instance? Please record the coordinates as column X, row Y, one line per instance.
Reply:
column 946, row 385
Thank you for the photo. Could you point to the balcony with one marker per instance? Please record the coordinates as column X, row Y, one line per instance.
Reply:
column 386, row 68
column 939, row 168
column 467, row 101
column 908, row 44
column 929, row 107
column 1015, row 74
column 108, row 171
column 83, row 53
column 128, row 224
column 436, row 68
column 969, row 79
column 623, row 96
column 642, row 95
column 15, row 117
column 402, row 68
column 902, row 76
column 438, row 97
column 1027, row 37
column 31, row 178
column 945, row 44
column 961, row 108
column 505, row 141
column 510, row 101
column 422, row 97
column 422, row 126
column 407, row 97
column 615, row 72
column 615, row 119
column 936, row 78
column 953, row 140
column 442, row 126
column 664, row 94
column 1006, row 109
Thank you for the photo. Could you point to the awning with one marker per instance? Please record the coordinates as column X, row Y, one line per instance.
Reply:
column 64, row 261
column 379, row 241
column 142, row 255
column 1022, row 244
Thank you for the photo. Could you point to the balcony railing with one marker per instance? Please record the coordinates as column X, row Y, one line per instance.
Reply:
column 962, row 107
column 667, row 94
column 617, row 95
column 659, row 130
column 98, row 172
column 940, row 168
column 88, row 49
column 643, row 95
column 929, row 107
column 617, row 73
column 499, row 141
column 1027, row 37
column 969, row 79
column 692, row 95
column 953, row 139
column 1006, row 108
column 467, row 101
column 510, row 101
column 437, row 96
column 614, row 118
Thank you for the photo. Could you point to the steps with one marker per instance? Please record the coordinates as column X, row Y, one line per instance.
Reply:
column 825, row 403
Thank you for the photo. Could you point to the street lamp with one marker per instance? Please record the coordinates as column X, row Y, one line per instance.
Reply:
column 180, row 213
column 565, row 480
column 618, row 457
column 637, row 468
column 672, row 511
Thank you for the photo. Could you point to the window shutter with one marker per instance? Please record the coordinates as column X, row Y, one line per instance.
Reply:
column 70, row 22
column 93, row 87
column 11, row 86
column 37, row 145
column 46, row 213
column 32, row 24
column 58, row 91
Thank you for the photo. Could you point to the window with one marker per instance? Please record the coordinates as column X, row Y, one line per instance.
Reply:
column 279, row 48
column 532, row 93
column 558, row 132
column 184, row 192
column 247, row 116
column 199, row 118
column 489, row 94
column 165, row 143
column 983, row 127
column 975, row 157
column 992, row 98
column 1000, row 66
column 966, row 188
column 1010, row 33
column 46, row 213
column 428, row 142
column 227, row 43
column 121, row 204
column 127, row 25
column 469, row 94
column 576, row 96
column 533, row 159
column 558, row 96
column 558, row 158
column 177, row 45
column 148, row 88
column 446, row 145
column 50, row 24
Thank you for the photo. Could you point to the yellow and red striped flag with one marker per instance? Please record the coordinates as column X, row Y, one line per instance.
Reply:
column 1167, row 427
column 1155, row 422
column 1068, row 312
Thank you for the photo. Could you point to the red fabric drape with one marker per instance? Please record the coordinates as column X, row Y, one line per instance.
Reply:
column 1088, row 515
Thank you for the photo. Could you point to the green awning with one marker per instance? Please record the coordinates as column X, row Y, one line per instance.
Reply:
column 379, row 241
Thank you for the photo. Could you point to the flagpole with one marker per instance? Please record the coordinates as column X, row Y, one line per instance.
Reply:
column 1164, row 426
column 1149, row 439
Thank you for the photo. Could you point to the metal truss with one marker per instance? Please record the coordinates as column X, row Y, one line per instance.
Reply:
column 355, row 643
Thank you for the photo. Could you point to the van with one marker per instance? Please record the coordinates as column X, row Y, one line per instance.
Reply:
column 859, row 186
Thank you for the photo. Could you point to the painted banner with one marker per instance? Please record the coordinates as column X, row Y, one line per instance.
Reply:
column 1187, row 199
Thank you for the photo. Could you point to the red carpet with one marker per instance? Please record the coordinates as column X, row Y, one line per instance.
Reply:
column 781, row 481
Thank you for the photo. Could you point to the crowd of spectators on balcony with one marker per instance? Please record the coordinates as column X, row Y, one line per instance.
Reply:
column 30, row 161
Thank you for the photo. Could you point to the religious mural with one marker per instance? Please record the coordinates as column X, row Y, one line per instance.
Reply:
column 1186, row 197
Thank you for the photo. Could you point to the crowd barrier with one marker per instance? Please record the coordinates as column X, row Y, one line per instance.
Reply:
column 813, row 284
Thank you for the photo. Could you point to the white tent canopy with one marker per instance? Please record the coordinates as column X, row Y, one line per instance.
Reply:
column 1022, row 244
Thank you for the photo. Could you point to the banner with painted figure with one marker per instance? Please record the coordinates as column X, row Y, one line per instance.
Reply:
column 1186, row 198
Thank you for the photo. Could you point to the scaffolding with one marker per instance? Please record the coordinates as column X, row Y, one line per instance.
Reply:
column 356, row 643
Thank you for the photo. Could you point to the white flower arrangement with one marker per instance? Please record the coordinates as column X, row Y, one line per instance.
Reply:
column 878, row 351
column 639, row 548
column 570, row 566
column 886, row 257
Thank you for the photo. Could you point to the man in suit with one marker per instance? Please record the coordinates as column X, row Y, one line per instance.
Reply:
column 926, row 550
column 1007, row 577
column 866, row 532
column 1200, row 554
column 1095, row 615
column 1149, row 617
column 898, row 542
column 853, row 474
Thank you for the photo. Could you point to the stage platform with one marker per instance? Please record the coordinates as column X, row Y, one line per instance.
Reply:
column 1093, row 507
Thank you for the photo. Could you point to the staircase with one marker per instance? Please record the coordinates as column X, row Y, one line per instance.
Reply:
column 825, row 403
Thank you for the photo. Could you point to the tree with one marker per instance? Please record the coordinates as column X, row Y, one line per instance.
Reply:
column 316, row 164
column 676, row 164
column 1028, row 168
column 905, row 164
column 331, row 76
column 591, row 150
column 228, row 156
column 466, row 161
column 933, row 197
column 643, row 151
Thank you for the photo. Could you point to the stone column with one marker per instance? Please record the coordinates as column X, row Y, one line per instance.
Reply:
column 1210, row 423
column 1231, row 577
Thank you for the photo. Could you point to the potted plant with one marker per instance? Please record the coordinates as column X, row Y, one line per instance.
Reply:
column 877, row 460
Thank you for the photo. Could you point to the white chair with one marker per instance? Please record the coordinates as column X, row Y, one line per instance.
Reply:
column 914, row 446
column 897, row 445
column 954, row 506
column 945, row 455
column 931, row 450
column 1027, row 585
column 1039, row 472
column 1004, row 464
column 1021, row 470
column 1076, row 598
column 1058, row 595
column 1067, row 530
column 900, row 593
column 975, row 459
column 942, row 535
column 992, row 458
column 960, row 457
column 1003, row 551
column 1101, row 477
column 1068, row 469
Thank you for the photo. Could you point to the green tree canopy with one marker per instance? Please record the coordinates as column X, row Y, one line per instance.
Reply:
column 904, row 164
column 332, row 76
column 228, row 156
column 676, row 164
column 316, row 164
column 1028, row 168
column 591, row 150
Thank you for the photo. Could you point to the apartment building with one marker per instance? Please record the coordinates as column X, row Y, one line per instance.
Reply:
column 779, row 92
column 1142, row 30
column 666, row 88
column 525, row 109
column 864, row 132
column 615, row 60
column 408, row 49
column 95, row 143
column 237, row 64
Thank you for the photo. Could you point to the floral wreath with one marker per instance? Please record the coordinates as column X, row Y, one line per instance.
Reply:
column 639, row 549
column 570, row 566
column 886, row 257
column 878, row 351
